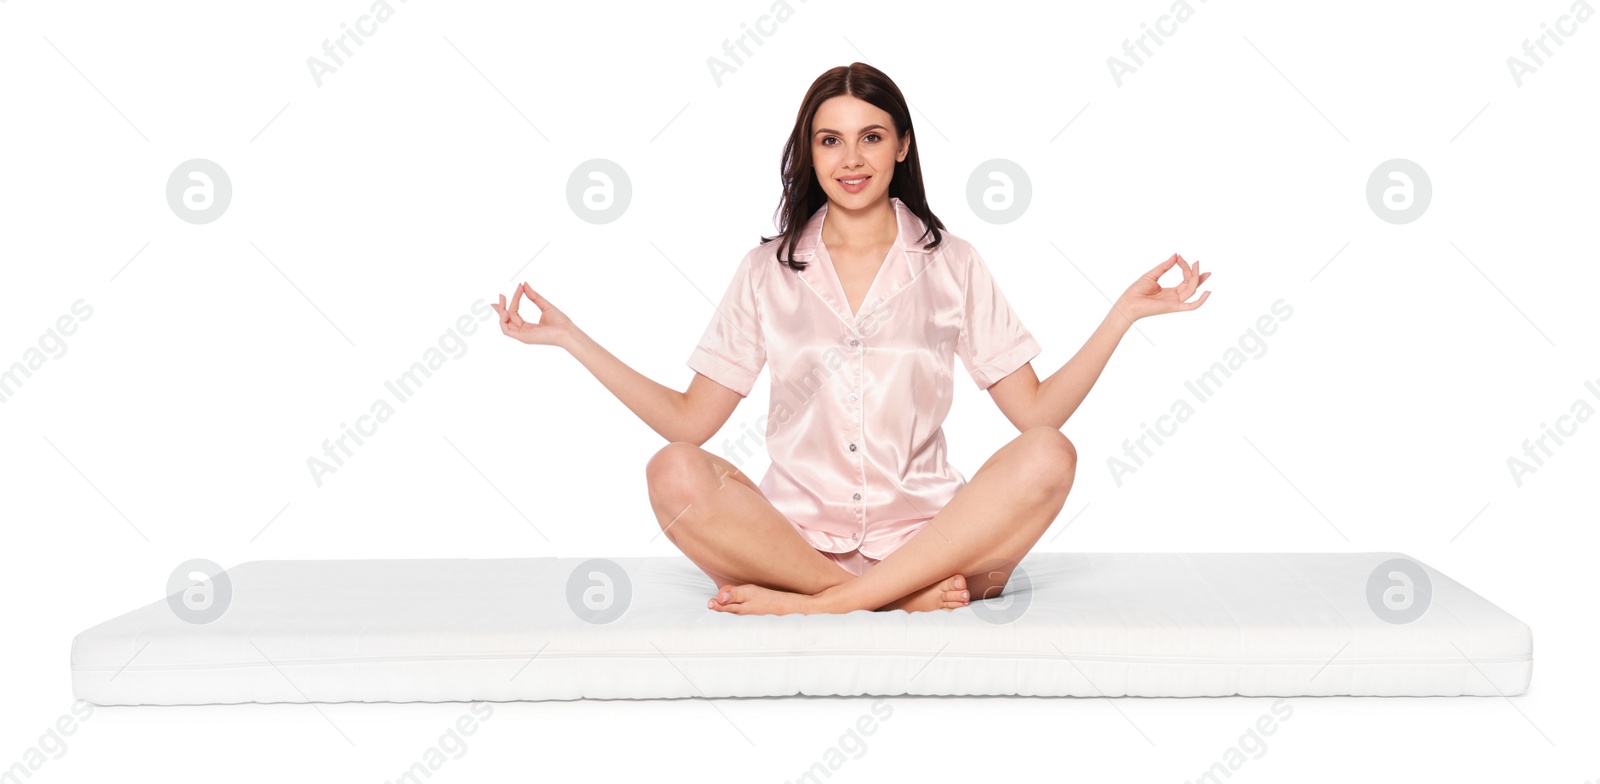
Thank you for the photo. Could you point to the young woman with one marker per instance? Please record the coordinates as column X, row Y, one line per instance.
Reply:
column 858, row 306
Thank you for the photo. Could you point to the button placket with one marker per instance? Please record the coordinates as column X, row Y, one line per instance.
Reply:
column 855, row 416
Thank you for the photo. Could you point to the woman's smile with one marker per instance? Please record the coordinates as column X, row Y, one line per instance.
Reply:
column 854, row 185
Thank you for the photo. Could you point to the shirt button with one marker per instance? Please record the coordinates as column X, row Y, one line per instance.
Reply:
column 855, row 342
column 852, row 396
column 857, row 496
column 852, row 447
column 853, row 537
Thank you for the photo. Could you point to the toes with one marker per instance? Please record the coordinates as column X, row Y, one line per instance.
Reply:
column 733, row 595
column 956, row 592
column 723, row 597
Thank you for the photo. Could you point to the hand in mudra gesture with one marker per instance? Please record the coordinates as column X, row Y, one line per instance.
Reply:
column 552, row 329
column 1146, row 297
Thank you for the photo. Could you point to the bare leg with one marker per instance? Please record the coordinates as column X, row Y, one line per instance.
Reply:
column 720, row 519
column 983, row 532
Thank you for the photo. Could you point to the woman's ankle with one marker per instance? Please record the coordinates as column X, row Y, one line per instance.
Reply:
column 834, row 599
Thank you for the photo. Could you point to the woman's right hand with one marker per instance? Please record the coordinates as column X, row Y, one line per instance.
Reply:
column 552, row 329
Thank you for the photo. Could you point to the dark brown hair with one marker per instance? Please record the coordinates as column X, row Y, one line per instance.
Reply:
column 803, row 194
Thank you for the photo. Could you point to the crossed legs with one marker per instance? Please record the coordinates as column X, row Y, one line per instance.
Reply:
column 982, row 533
column 719, row 518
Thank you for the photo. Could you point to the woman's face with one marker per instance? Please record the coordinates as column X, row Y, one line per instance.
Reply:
column 854, row 140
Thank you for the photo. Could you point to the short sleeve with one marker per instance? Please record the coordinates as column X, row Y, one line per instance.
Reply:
column 993, row 342
column 732, row 351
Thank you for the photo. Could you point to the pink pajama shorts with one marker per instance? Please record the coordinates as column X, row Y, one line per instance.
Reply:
column 853, row 562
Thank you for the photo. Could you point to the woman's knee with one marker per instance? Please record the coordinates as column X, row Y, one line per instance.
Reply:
column 1050, row 459
column 674, row 470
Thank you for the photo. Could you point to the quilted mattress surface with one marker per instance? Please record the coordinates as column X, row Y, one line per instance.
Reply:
column 1068, row 624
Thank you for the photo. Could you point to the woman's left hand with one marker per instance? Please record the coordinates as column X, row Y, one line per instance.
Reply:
column 1146, row 297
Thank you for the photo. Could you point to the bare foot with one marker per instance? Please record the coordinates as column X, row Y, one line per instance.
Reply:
column 947, row 595
column 757, row 600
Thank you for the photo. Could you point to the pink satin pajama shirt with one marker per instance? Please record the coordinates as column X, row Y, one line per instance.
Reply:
column 858, row 400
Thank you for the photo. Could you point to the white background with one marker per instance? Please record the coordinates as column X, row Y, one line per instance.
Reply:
column 430, row 171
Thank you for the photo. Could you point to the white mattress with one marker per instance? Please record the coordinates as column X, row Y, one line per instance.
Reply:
column 1080, row 624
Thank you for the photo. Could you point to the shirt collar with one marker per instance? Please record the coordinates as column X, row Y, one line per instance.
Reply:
column 911, row 230
column 900, row 268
